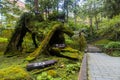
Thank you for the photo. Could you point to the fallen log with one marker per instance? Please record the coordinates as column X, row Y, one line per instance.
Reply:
column 40, row 65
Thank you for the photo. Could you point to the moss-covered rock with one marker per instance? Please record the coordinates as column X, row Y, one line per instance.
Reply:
column 14, row 73
column 52, row 73
column 69, row 49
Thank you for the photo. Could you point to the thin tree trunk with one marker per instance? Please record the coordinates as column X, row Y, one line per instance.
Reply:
column 67, row 12
column 36, row 6
column 57, row 6
column 75, row 14
column 91, row 28
column 96, row 22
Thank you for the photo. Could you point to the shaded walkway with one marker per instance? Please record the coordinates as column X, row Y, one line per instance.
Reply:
column 103, row 67
column 92, row 49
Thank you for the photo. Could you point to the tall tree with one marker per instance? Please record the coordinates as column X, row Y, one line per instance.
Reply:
column 91, row 9
column 111, row 8
column 10, row 11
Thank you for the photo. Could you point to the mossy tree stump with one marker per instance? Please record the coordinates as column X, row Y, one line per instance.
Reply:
column 54, row 36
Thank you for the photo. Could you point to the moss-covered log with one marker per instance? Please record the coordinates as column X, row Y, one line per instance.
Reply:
column 44, row 43
column 54, row 36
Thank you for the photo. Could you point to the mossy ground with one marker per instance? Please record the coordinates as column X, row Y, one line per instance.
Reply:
column 65, row 69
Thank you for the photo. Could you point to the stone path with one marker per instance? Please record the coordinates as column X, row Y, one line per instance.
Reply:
column 92, row 49
column 103, row 67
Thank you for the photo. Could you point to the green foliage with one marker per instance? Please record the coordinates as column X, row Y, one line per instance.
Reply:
column 113, row 45
column 52, row 73
column 82, row 42
column 55, row 16
column 110, row 28
column 6, row 33
column 44, row 76
column 116, row 53
column 77, row 26
column 72, row 68
column 10, row 10
column 111, row 8
column 101, row 43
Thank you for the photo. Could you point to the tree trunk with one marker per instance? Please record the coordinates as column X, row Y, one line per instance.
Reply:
column 15, row 43
column 96, row 22
column 54, row 36
column 91, row 28
column 57, row 6
column 36, row 6
column 75, row 14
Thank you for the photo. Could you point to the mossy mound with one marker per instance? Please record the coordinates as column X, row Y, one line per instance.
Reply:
column 14, row 73
column 69, row 49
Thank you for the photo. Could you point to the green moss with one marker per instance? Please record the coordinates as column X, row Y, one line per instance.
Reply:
column 52, row 73
column 30, row 58
column 72, row 53
column 3, row 39
column 69, row 49
column 1, row 53
column 56, row 50
column 44, row 43
column 14, row 73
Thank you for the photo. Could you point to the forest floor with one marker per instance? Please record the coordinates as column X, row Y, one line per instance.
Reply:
column 65, row 69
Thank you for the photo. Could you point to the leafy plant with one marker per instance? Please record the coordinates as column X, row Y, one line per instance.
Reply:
column 113, row 45
column 46, row 76
column 72, row 68
column 110, row 28
column 116, row 53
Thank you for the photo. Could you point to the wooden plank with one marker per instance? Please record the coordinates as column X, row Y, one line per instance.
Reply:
column 83, row 69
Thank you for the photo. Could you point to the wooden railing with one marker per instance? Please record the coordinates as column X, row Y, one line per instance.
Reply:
column 110, row 50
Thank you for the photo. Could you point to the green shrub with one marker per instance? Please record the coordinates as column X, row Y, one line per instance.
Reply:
column 101, row 43
column 46, row 76
column 72, row 68
column 110, row 28
column 116, row 53
column 113, row 45
column 82, row 43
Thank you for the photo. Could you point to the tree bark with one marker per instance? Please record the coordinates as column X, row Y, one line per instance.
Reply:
column 91, row 28
column 36, row 6
column 96, row 22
